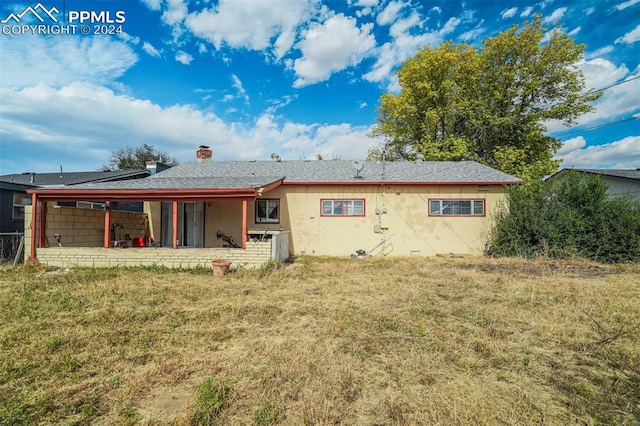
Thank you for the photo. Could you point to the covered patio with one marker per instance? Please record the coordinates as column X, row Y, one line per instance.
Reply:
column 158, row 194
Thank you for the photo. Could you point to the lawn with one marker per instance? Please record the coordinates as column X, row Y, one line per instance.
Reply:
column 323, row 341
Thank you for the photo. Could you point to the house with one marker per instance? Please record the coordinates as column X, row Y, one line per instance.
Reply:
column 620, row 181
column 13, row 191
column 250, row 211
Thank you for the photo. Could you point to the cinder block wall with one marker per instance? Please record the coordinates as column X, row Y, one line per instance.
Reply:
column 85, row 227
column 255, row 255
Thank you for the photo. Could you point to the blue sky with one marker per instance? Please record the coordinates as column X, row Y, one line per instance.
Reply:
column 253, row 77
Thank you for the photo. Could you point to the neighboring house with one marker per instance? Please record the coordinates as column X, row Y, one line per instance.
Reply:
column 620, row 181
column 229, row 208
column 14, row 197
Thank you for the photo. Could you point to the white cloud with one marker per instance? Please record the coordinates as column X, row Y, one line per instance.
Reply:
column 129, row 38
column 390, row 13
column 555, row 16
column 599, row 52
column 283, row 43
column 471, row 35
column 58, row 61
column 599, row 73
column 574, row 31
column 626, row 4
column 615, row 102
column 588, row 11
column 227, row 23
column 153, row 4
column 630, row 37
column 237, row 84
column 148, row 47
column 622, row 154
column 509, row 13
column 330, row 47
column 526, row 12
column 367, row 3
column 403, row 46
column 362, row 104
column 90, row 121
column 175, row 12
column 571, row 145
column 183, row 57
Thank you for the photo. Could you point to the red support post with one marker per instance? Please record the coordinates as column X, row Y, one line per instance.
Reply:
column 244, row 224
column 42, row 229
column 34, row 224
column 107, row 225
column 175, row 224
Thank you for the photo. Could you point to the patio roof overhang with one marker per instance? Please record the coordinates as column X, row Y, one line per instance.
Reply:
column 119, row 195
column 159, row 190
column 174, row 190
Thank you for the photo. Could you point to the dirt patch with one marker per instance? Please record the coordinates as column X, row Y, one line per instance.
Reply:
column 540, row 268
column 165, row 405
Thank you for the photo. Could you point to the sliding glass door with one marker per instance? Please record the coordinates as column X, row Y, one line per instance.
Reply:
column 190, row 224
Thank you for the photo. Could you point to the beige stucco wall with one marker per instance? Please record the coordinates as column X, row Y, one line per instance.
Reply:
column 407, row 219
column 411, row 231
column 223, row 216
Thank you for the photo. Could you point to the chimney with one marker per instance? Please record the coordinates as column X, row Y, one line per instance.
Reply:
column 33, row 178
column 203, row 153
column 154, row 167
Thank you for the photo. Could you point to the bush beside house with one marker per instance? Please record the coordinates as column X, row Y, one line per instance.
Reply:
column 570, row 217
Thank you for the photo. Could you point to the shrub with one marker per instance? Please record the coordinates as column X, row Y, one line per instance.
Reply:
column 573, row 216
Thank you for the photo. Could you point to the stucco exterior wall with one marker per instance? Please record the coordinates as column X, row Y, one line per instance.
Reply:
column 406, row 222
column 223, row 216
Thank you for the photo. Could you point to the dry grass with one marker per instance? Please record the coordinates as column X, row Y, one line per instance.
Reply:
column 324, row 341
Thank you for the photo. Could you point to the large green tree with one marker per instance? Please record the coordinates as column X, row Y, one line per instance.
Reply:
column 135, row 158
column 487, row 104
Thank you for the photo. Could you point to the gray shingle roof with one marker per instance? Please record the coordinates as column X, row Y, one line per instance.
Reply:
column 619, row 173
column 303, row 171
column 200, row 182
column 71, row 178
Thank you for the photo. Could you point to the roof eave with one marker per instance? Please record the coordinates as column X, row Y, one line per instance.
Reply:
column 102, row 195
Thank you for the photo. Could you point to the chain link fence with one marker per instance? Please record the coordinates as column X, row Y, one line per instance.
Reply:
column 12, row 248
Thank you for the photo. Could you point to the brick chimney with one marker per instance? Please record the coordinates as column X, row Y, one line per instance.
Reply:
column 203, row 153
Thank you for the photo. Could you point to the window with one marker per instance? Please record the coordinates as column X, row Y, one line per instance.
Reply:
column 456, row 207
column 19, row 201
column 342, row 207
column 88, row 205
column 268, row 211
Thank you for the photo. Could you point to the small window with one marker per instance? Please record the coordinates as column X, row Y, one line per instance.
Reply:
column 268, row 211
column 342, row 207
column 92, row 206
column 446, row 207
column 19, row 201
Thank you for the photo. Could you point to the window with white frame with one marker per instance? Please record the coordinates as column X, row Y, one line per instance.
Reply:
column 340, row 207
column 19, row 201
column 449, row 207
column 268, row 210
